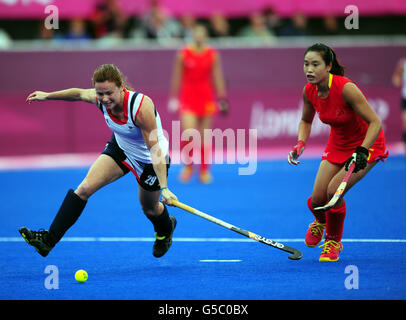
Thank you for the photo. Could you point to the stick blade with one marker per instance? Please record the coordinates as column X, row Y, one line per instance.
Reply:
column 340, row 190
column 323, row 208
column 337, row 195
column 296, row 255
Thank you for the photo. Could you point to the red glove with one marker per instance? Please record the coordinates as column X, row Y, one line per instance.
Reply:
column 296, row 152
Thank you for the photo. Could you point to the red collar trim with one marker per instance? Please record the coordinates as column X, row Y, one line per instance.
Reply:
column 125, row 102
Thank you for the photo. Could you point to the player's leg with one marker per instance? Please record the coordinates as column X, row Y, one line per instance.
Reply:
column 326, row 172
column 205, row 151
column 354, row 178
column 103, row 171
column 335, row 216
column 188, row 121
column 163, row 223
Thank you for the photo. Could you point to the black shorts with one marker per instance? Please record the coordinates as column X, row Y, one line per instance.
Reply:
column 403, row 104
column 146, row 175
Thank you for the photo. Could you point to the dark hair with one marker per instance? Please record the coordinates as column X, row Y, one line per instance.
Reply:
column 109, row 72
column 329, row 56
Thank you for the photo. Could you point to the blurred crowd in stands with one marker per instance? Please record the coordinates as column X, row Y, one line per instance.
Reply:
column 109, row 21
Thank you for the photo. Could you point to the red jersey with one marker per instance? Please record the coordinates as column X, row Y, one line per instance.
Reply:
column 197, row 94
column 348, row 129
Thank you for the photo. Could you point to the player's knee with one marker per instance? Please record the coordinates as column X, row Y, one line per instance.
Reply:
column 315, row 201
column 331, row 190
column 151, row 209
column 84, row 190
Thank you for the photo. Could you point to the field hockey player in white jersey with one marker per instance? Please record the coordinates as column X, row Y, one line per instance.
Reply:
column 137, row 145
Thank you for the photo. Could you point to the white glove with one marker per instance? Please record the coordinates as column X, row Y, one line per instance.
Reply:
column 173, row 105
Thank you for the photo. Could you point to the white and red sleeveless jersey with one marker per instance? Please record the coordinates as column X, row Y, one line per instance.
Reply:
column 128, row 135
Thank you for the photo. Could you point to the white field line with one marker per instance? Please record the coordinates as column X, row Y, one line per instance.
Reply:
column 220, row 260
column 185, row 239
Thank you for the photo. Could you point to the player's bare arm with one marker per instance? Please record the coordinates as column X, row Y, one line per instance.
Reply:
column 72, row 94
column 398, row 74
column 354, row 97
column 218, row 78
column 305, row 126
column 173, row 103
column 147, row 123
column 219, row 83
column 306, row 121
column 176, row 75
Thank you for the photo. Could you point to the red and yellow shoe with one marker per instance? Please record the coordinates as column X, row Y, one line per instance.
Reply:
column 314, row 234
column 205, row 177
column 186, row 174
column 331, row 250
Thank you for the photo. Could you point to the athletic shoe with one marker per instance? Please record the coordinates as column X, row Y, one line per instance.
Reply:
column 331, row 250
column 186, row 174
column 37, row 239
column 205, row 177
column 314, row 234
column 162, row 244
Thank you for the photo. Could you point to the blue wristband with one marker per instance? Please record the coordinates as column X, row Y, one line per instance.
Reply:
column 164, row 188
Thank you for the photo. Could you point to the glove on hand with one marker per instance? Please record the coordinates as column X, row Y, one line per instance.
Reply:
column 223, row 106
column 360, row 157
column 296, row 152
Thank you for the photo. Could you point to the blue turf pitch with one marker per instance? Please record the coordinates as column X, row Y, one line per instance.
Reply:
column 112, row 240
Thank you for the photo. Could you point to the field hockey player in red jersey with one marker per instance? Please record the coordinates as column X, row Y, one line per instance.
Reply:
column 198, row 92
column 355, row 136
column 137, row 145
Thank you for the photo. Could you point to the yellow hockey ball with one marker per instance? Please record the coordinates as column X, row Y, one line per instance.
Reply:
column 81, row 276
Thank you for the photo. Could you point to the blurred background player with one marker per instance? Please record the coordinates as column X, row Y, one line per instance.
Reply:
column 399, row 80
column 137, row 145
column 197, row 77
column 356, row 134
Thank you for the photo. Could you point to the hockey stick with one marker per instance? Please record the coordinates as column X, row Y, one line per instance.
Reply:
column 294, row 253
column 340, row 190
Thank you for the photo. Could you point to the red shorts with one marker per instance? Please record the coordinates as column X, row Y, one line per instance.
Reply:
column 378, row 151
column 199, row 108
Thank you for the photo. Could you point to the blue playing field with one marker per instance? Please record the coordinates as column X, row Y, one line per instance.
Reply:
column 112, row 240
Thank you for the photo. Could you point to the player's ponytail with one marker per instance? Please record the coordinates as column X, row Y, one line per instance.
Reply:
column 336, row 68
column 329, row 56
column 109, row 72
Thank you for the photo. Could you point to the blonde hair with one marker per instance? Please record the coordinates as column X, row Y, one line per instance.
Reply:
column 109, row 72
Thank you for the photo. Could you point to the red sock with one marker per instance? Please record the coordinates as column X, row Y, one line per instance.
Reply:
column 335, row 222
column 320, row 216
column 205, row 153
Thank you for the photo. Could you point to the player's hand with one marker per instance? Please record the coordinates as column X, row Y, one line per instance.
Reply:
column 360, row 157
column 168, row 196
column 37, row 96
column 223, row 106
column 296, row 152
column 173, row 105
